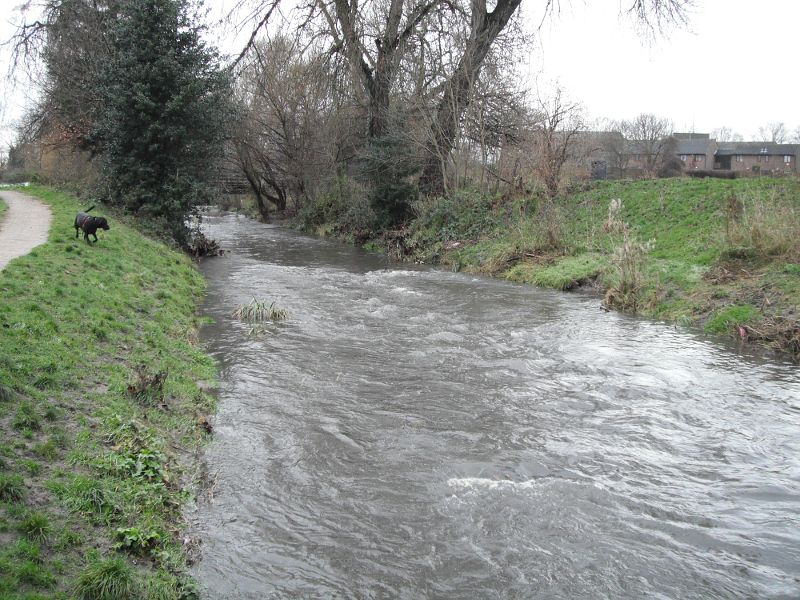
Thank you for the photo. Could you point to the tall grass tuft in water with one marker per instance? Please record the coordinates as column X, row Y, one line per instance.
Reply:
column 256, row 311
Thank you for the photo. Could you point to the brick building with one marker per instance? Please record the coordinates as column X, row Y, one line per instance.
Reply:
column 756, row 157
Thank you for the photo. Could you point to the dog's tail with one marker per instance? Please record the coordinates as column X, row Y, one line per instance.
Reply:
column 90, row 208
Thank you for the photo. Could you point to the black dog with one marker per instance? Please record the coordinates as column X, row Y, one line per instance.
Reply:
column 89, row 224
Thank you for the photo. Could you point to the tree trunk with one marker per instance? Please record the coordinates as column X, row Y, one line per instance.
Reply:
column 485, row 27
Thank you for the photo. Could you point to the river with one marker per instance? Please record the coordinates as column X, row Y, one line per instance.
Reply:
column 414, row 433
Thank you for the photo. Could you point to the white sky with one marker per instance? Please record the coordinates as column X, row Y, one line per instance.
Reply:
column 736, row 64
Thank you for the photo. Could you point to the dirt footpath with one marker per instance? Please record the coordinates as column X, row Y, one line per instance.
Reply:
column 24, row 226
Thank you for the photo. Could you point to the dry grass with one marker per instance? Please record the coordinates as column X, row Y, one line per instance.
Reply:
column 779, row 333
column 762, row 223
column 629, row 261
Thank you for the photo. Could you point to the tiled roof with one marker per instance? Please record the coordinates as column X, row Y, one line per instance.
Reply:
column 756, row 149
column 701, row 146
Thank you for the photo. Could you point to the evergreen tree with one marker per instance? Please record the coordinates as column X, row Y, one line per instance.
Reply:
column 164, row 111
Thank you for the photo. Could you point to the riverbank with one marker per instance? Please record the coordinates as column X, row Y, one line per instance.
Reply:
column 722, row 255
column 101, row 406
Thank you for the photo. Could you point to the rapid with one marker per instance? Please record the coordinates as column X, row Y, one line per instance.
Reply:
column 410, row 432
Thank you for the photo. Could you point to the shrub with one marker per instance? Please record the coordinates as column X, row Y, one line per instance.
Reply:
column 462, row 215
column 389, row 163
column 332, row 204
column 110, row 579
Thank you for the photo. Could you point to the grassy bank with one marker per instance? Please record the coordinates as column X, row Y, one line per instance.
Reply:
column 723, row 255
column 719, row 254
column 100, row 413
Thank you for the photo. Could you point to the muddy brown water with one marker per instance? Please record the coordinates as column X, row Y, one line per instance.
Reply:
column 416, row 433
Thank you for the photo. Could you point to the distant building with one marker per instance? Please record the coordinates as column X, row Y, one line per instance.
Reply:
column 696, row 150
column 699, row 151
column 756, row 157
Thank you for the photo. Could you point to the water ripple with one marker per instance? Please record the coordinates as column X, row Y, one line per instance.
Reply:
column 415, row 433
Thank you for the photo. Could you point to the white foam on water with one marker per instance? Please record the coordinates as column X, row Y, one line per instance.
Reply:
column 471, row 483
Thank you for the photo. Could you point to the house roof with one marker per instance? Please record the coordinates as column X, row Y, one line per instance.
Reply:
column 691, row 136
column 693, row 146
column 755, row 149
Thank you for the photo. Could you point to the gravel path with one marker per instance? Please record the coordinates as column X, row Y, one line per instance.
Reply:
column 24, row 226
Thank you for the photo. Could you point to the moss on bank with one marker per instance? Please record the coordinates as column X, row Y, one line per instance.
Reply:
column 99, row 408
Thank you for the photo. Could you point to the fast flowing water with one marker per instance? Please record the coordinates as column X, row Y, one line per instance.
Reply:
column 415, row 433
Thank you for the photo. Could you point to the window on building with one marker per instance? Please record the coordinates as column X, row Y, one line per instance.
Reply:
column 739, row 158
column 787, row 159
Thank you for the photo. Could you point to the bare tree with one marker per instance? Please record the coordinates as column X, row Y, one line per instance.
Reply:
column 726, row 134
column 561, row 121
column 485, row 26
column 71, row 39
column 775, row 132
column 283, row 139
column 647, row 136
column 421, row 59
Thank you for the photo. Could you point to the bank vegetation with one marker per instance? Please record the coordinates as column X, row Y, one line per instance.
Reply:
column 103, row 397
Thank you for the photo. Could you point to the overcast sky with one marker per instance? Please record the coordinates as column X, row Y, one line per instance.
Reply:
column 735, row 64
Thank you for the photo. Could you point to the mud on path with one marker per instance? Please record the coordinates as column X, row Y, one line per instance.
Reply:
column 24, row 226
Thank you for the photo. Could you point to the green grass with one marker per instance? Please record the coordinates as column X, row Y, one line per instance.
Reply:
column 111, row 579
column 726, row 319
column 565, row 273
column 12, row 487
column 81, row 457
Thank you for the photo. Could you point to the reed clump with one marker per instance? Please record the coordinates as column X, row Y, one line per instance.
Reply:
column 257, row 311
